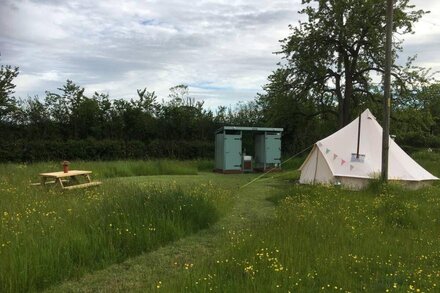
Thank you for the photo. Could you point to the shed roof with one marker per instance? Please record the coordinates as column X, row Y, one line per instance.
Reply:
column 243, row 128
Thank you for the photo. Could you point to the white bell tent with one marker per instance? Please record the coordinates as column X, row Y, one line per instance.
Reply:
column 353, row 155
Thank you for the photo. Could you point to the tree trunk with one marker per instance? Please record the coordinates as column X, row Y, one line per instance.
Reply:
column 341, row 113
column 340, row 101
column 348, row 95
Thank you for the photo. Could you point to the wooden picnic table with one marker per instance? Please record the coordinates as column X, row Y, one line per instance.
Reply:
column 71, row 176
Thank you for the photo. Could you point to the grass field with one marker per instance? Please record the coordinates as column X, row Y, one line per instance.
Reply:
column 47, row 235
column 330, row 239
column 384, row 239
column 272, row 235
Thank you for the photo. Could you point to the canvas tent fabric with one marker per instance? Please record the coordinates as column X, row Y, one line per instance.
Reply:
column 335, row 159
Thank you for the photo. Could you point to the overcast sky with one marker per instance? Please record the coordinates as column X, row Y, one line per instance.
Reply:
column 221, row 49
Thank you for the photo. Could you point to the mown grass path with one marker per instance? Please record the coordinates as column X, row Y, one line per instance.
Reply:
column 143, row 273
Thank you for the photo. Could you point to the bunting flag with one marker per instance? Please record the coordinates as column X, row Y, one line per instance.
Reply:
column 335, row 156
column 320, row 144
column 351, row 167
column 343, row 162
column 327, row 151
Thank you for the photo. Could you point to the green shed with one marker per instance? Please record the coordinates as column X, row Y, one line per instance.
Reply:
column 229, row 156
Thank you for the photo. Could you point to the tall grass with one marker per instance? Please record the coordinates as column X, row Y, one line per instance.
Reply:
column 47, row 236
column 108, row 169
column 293, row 163
column 429, row 160
column 328, row 239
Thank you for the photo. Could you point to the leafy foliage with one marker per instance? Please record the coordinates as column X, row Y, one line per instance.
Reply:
column 7, row 102
column 67, row 124
column 330, row 63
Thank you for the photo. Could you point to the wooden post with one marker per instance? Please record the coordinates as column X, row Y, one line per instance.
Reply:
column 359, row 137
column 387, row 91
column 316, row 164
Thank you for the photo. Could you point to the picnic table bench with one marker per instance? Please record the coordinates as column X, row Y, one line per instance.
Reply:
column 71, row 177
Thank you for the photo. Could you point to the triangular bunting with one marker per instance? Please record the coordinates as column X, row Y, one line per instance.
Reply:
column 343, row 162
column 335, row 156
column 320, row 144
column 327, row 151
column 351, row 167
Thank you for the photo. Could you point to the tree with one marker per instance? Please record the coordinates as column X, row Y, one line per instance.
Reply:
column 140, row 116
column 179, row 95
column 182, row 117
column 38, row 124
column 63, row 108
column 146, row 102
column 428, row 106
column 332, row 58
column 244, row 114
column 303, row 119
column 7, row 101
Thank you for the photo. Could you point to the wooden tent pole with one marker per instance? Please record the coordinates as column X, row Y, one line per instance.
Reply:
column 316, row 165
column 359, row 137
column 387, row 90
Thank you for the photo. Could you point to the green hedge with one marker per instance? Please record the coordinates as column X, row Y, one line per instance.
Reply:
column 48, row 150
column 419, row 140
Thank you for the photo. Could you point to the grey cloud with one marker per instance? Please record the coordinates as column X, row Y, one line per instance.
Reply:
column 118, row 46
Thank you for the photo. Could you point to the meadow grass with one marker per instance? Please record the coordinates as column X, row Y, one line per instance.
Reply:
column 382, row 239
column 22, row 173
column 279, row 236
column 292, row 163
column 47, row 235
column 328, row 239
column 429, row 160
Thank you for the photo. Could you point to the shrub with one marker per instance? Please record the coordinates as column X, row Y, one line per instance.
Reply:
column 91, row 149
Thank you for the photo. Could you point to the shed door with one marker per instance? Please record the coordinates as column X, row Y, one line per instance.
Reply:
column 232, row 152
column 273, row 148
column 219, row 142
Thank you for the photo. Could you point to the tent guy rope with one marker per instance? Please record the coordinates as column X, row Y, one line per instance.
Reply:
column 270, row 170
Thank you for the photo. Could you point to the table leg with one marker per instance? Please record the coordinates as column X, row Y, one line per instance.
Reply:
column 88, row 178
column 43, row 181
column 61, row 182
